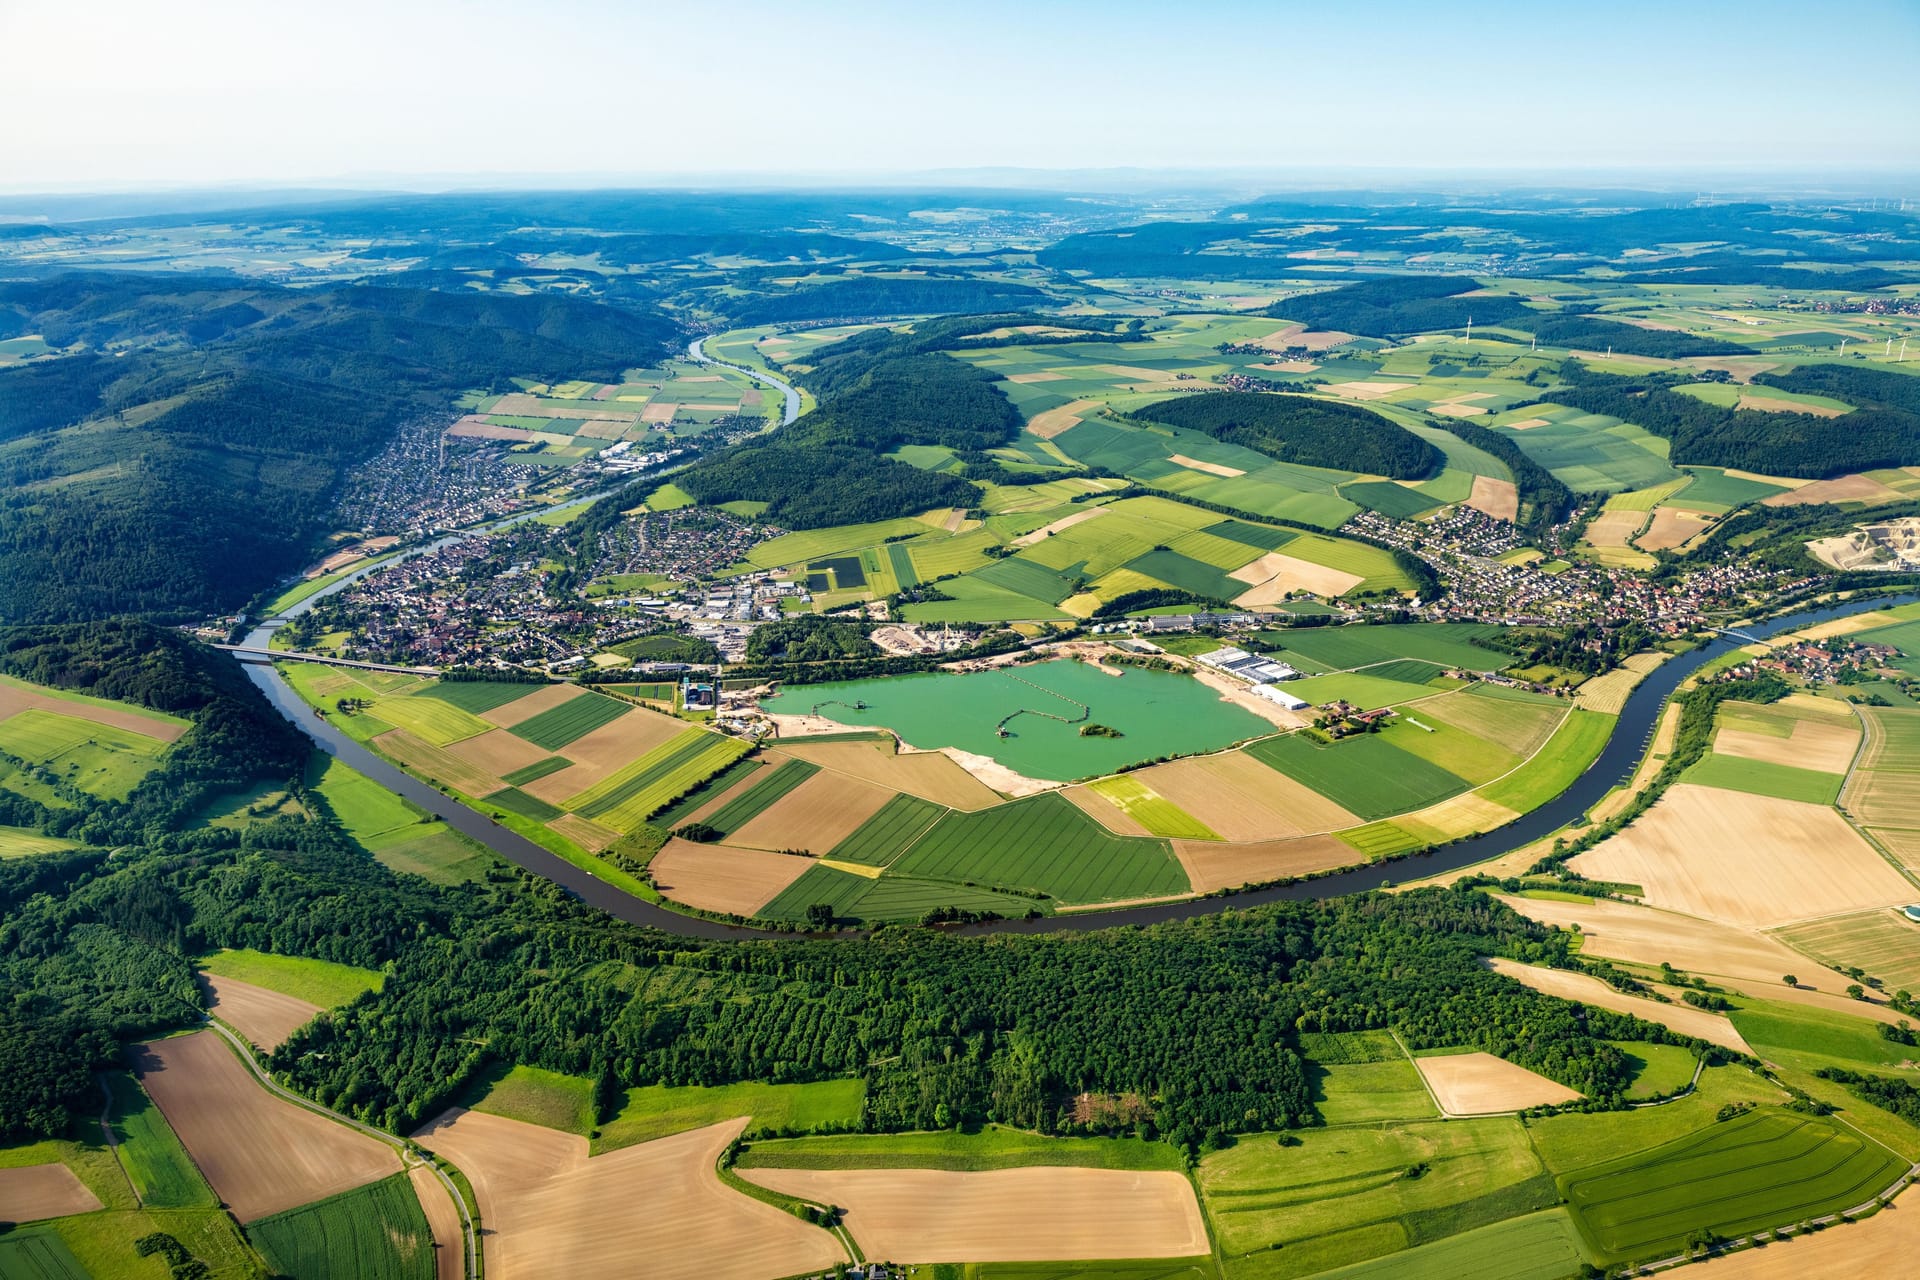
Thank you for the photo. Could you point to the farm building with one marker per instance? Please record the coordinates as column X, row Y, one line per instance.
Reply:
column 1273, row 693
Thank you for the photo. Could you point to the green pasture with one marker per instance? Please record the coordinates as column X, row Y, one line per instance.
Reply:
column 895, row 897
column 23, row 783
column 991, row 1147
column 439, row 854
column 1763, row 778
column 1371, row 1092
column 572, row 720
column 816, row 544
column 659, row 1111
column 375, row 1232
column 884, row 836
column 1763, row 1169
column 321, row 982
column 1473, row 758
column 1344, row 1195
column 1044, row 843
column 1803, row 1035
column 1658, row 1070
column 101, row 760
column 1576, row 1140
column 363, row 807
column 820, row 886
column 1566, row 755
column 536, row 1096
column 1360, row 688
column 21, row 842
column 1366, row 775
column 1536, row 1246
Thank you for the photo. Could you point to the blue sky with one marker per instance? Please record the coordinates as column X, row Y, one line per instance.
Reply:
column 111, row 93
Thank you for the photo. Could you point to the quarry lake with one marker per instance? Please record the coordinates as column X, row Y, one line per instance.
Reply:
column 1042, row 708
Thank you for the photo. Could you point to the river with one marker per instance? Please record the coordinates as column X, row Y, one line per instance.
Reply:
column 1614, row 765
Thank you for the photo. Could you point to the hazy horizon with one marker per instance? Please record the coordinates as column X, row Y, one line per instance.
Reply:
column 442, row 95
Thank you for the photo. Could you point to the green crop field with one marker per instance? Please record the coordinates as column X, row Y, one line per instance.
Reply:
column 659, row 1111
column 1458, row 752
column 99, row 759
column 375, row 1232
column 433, row 720
column 1764, row 778
column 1449, row 644
column 1573, row 746
column 1028, row 578
column 1519, row 726
column 1044, row 843
column 1658, row 1069
column 320, row 982
column 1799, row 1033
column 883, row 837
column 1590, row 454
column 992, row 1147
column 572, row 720
column 1105, row 1269
column 1150, row 809
column 682, row 809
column 38, row 1254
column 1187, row 574
column 765, row 792
column 1714, row 491
column 536, row 771
column 514, row 800
column 1538, row 1246
column 157, row 1165
column 546, row 1098
column 440, row 854
column 632, row 794
column 1342, row 1195
column 902, row 898
column 1759, row 1170
column 816, row 544
column 819, row 886
column 1366, row 775
column 1361, row 688
column 476, row 696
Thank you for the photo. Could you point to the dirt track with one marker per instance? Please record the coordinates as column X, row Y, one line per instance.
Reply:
column 260, row 1154
column 1009, row 1215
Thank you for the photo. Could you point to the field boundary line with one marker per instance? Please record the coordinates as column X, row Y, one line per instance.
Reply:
column 113, row 1143
column 399, row 1144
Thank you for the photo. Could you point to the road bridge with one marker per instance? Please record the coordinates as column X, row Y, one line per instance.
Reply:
column 254, row 653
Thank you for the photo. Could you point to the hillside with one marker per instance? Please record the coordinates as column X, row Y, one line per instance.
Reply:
column 193, row 466
column 1303, row 430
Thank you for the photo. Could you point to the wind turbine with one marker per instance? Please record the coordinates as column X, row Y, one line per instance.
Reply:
column 1469, row 328
column 1903, row 351
column 1887, row 354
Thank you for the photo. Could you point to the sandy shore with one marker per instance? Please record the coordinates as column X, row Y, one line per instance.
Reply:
column 1240, row 695
column 995, row 774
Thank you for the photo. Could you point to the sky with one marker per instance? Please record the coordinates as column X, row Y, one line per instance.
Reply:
column 126, row 94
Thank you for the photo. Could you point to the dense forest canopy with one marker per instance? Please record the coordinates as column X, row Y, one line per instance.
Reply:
column 1391, row 306
column 1885, row 432
column 180, row 479
column 1305, row 430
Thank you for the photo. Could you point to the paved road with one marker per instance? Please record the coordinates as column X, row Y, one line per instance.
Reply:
column 695, row 352
column 272, row 1086
column 246, row 653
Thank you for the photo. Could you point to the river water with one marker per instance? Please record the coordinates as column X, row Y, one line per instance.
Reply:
column 1615, row 764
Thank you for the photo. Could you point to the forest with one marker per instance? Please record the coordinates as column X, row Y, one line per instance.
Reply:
column 1301, row 429
column 867, row 298
column 1200, row 1015
column 207, row 460
column 1883, row 433
column 1596, row 333
column 1391, row 306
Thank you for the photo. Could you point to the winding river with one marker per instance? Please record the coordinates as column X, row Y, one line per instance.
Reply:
column 1614, row 765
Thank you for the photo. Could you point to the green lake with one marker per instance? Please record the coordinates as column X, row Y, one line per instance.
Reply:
column 1158, row 713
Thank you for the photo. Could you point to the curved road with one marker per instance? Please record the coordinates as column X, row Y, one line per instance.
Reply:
column 1614, row 765
column 407, row 1161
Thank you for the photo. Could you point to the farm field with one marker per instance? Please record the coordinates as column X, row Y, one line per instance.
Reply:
column 266, row 1018
column 1044, row 843
column 1755, row 1171
column 1340, row 1196
column 318, row 982
column 1884, row 943
column 535, row 1096
column 262, row 1155
column 17, row 696
column 1747, row 860
column 1366, row 775
column 992, row 1147
column 723, row 879
column 555, row 1214
column 1470, row 1084
column 1882, row 1245
column 1448, row 644
column 377, row 1232
column 29, row 1193
column 103, row 760
column 156, row 1164
column 1684, row 1018
column 1537, row 1246
column 1236, row 795
column 1885, row 791
column 660, row 1111
column 1154, row 813
column 1007, row 1215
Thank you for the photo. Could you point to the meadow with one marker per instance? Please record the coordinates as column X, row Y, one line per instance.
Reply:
column 1366, row 775
column 100, row 759
column 976, row 1151
column 658, row 1111
column 318, row 982
column 156, row 1164
column 1048, row 845
column 1746, row 1174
